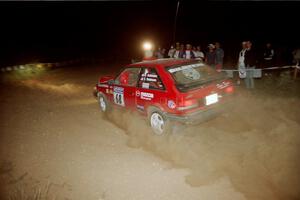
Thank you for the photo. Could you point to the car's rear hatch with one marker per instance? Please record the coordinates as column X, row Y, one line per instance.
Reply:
column 200, row 87
column 206, row 96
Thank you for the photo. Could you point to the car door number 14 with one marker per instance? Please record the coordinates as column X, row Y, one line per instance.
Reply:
column 119, row 96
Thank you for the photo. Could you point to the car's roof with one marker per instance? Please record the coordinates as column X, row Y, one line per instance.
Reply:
column 162, row 62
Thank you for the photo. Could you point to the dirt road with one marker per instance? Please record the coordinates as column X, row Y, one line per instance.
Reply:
column 54, row 142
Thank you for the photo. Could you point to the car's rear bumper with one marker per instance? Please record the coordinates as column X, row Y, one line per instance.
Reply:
column 201, row 115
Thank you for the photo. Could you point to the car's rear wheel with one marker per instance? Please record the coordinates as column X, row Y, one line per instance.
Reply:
column 159, row 123
column 103, row 103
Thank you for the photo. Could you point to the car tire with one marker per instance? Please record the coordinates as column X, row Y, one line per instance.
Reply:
column 103, row 104
column 159, row 123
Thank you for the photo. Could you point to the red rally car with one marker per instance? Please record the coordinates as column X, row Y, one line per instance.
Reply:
column 166, row 91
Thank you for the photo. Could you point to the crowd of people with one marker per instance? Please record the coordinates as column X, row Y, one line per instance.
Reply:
column 214, row 56
column 247, row 61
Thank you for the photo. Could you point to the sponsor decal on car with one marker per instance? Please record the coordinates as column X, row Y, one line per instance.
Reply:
column 140, row 107
column 222, row 85
column 171, row 104
column 185, row 67
column 147, row 96
column 191, row 73
column 148, row 79
column 137, row 93
column 151, row 79
column 152, row 75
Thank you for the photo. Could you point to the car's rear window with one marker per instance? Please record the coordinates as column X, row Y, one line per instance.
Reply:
column 193, row 75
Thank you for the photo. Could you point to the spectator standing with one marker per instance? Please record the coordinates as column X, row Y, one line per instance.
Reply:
column 181, row 51
column 219, row 56
column 211, row 56
column 199, row 55
column 158, row 53
column 188, row 53
column 296, row 56
column 194, row 51
column 268, row 55
column 241, row 63
column 250, row 62
column 164, row 53
column 171, row 52
column 177, row 51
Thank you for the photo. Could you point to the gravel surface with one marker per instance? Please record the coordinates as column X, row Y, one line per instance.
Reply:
column 54, row 140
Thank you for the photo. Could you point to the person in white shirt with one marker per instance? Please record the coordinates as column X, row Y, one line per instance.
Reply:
column 188, row 53
column 199, row 55
column 171, row 52
column 177, row 51
column 241, row 63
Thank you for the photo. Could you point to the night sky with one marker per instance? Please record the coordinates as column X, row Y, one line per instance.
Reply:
column 53, row 31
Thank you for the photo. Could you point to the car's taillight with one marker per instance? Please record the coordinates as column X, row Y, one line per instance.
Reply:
column 229, row 89
column 189, row 104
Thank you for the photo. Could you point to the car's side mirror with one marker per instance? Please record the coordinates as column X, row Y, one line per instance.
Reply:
column 110, row 82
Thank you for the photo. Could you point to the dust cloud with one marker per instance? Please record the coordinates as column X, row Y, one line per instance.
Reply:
column 65, row 88
column 256, row 145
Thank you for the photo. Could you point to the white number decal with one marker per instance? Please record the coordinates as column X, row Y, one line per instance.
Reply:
column 119, row 96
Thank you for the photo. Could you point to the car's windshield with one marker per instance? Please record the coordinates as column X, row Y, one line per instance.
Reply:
column 193, row 75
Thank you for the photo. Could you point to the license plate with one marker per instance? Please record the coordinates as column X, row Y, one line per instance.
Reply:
column 211, row 99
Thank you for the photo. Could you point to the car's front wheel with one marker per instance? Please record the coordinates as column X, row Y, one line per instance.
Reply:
column 103, row 104
column 159, row 123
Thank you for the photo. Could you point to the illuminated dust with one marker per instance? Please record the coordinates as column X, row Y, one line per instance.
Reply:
column 54, row 136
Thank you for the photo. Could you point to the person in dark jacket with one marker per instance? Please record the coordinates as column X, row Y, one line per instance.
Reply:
column 268, row 55
column 211, row 56
column 181, row 51
column 219, row 56
column 188, row 53
column 250, row 62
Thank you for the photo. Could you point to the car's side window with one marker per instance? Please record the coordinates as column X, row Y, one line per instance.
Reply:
column 128, row 77
column 149, row 79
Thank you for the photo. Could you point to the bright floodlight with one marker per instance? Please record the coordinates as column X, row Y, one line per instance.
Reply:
column 147, row 46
